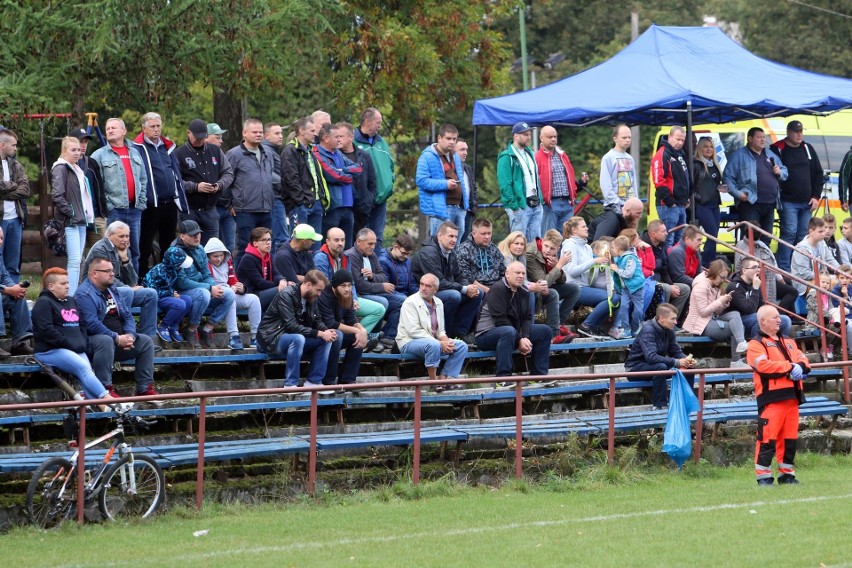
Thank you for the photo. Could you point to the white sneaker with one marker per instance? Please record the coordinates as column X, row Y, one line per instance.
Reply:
column 742, row 347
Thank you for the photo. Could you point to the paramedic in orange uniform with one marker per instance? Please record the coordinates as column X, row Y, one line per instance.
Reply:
column 779, row 368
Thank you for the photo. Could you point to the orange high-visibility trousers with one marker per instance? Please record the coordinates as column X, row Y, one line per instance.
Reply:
column 777, row 432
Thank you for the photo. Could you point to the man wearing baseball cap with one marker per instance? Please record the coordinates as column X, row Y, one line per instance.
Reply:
column 800, row 192
column 214, row 134
column 194, row 280
column 295, row 258
column 520, row 189
column 207, row 175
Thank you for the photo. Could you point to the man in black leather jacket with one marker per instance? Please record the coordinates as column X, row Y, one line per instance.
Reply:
column 292, row 327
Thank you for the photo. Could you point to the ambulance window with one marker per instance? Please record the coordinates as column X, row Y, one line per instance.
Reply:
column 835, row 147
column 732, row 141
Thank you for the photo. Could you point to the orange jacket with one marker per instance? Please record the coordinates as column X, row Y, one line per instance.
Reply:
column 772, row 360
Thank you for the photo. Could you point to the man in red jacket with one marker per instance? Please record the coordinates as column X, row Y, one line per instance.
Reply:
column 558, row 183
column 779, row 368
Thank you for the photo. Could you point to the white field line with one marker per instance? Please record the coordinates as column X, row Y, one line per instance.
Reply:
column 338, row 542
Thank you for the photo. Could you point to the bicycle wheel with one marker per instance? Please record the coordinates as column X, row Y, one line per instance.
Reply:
column 118, row 499
column 52, row 493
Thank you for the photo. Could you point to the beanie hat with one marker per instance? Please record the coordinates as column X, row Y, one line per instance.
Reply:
column 341, row 276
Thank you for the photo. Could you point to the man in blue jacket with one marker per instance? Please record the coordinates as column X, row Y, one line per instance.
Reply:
column 752, row 175
column 396, row 262
column 165, row 195
column 111, row 329
column 194, row 280
column 657, row 349
column 440, row 182
column 339, row 173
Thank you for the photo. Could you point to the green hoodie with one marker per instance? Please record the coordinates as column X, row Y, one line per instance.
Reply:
column 382, row 162
column 510, row 178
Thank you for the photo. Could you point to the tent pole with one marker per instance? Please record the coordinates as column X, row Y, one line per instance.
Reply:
column 474, row 150
column 690, row 152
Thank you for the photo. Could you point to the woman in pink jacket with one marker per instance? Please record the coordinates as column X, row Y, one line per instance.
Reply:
column 707, row 316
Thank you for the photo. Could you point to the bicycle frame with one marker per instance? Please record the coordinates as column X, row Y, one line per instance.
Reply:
column 119, row 444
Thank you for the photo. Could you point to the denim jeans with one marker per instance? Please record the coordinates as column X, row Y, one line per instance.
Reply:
column 175, row 309
column 527, row 221
column 201, row 300
column 429, row 350
column 75, row 241
column 370, row 313
column 312, row 216
column 794, row 227
column 334, row 375
column 75, row 364
column 569, row 293
column 671, row 218
column 760, row 214
column 709, row 217
column 146, row 300
column 280, row 225
column 104, row 354
column 394, row 304
column 295, row 346
column 343, row 218
column 631, row 312
column 596, row 299
column 20, row 324
column 246, row 221
column 659, row 389
column 504, row 340
column 250, row 303
column 208, row 220
column 378, row 218
column 133, row 218
column 460, row 311
column 555, row 214
column 227, row 228
column 455, row 215
column 13, row 234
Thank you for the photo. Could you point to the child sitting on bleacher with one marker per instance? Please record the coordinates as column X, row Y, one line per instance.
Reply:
column 222, row 269
column 843, row 288
column 601, row 277
column 162, row 278
column 630, row 284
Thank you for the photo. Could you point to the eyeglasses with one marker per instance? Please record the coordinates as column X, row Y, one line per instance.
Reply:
column 105, row 270
column 266, row 240
column 750, row 268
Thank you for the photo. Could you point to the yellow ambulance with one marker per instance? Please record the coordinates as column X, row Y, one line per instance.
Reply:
column 830, row 135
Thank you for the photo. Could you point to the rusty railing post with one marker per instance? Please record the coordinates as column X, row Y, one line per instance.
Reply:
column 202, row 433
column 81, row 468
column 610, row 435
column 312, row 451
column 519, row 430
column 415, row 468
column 699, row 418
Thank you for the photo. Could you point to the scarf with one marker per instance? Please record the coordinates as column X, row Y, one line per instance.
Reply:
column 529, row 170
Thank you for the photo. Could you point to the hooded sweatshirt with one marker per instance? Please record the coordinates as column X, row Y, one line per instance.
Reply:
column 223, row 274
column 56, row 324
column 162, row 277
column 582, row 260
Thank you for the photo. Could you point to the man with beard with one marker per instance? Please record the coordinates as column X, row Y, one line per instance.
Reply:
column 336, row 306
column 292, row 327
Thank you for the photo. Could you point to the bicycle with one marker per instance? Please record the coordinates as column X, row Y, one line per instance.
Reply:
column 131, row 487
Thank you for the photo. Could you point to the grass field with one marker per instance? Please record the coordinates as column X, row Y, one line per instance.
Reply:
column 704, row 516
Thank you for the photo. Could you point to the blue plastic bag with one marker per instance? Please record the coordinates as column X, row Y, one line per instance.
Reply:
column 677, row 441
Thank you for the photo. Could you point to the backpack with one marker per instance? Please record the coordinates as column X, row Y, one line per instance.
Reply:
column 54, row 237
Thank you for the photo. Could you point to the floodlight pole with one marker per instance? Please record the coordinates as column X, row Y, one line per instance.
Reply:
column 523, row 24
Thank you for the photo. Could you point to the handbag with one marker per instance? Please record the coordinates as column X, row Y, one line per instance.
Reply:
column 54, row 237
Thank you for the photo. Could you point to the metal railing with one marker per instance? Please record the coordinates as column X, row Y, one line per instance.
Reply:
column 418, row 386
column 843, row 304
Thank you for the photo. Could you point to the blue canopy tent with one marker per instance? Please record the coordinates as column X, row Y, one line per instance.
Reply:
column 671, row 75
column 667, row 73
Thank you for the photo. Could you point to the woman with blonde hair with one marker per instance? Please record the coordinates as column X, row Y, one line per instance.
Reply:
column 72, row 205
column 514, row 248
column 707, row 185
